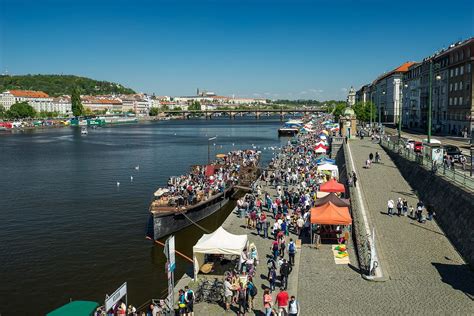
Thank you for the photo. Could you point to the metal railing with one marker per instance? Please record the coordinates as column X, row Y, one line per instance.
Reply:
column 462, row 179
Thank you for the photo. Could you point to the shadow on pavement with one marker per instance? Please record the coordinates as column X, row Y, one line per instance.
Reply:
column 433, row 231
column 460, row 277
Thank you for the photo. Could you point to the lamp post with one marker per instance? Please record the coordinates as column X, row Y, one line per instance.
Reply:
column 209, row 149
column 438, row 79
column 380, row 110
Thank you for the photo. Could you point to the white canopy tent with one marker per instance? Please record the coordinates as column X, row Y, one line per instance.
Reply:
column 333, row 168
column 220, row 242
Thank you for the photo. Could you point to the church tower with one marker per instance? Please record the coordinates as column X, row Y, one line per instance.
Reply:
column 351, row 97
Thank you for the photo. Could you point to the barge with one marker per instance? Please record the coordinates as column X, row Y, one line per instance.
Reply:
column 170, row 212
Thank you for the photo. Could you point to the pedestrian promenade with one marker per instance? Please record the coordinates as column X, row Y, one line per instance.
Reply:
column 426, row 274
column 236, row 225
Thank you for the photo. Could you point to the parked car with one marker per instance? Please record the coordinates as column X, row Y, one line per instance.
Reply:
column 418, row 147
column 453, row 151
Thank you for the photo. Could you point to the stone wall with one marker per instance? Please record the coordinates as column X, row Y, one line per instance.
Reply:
column 358, row 230
column 454, row 206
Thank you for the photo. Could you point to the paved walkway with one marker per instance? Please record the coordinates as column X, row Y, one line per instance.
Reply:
column 236, row 225
column 426, row 274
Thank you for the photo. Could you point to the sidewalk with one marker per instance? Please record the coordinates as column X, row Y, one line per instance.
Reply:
column 236, row 225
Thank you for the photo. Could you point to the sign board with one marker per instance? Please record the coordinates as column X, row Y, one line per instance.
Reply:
column 171, row 252
column 373, row 253
column 113, row 299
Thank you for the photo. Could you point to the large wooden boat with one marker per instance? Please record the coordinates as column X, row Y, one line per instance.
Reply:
column 170, row 215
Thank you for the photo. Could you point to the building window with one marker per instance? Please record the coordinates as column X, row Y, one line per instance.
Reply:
column 460, row 101
column 468, row 68
column 461, row 55
column 460, row 85
column 456, row 86
column 461, row 70
column 456, row 71
column 451, row 72
column 450, row 87
column 455, row 100
column 468, row 52
column 450, row 101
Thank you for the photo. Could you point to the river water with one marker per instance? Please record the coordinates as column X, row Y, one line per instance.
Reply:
column 68, row 231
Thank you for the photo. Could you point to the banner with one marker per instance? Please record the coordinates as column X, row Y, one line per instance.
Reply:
column 113, row 299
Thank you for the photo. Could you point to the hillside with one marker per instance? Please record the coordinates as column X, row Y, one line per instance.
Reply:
column 56, row 85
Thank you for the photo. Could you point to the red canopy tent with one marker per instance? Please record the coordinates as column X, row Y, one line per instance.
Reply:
column 320, row 146
column 332, row 186
column 330, row 214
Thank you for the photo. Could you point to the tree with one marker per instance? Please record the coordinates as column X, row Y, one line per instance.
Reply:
column 77, row 108
column 154, row 111
column 165, row 107
column 195, row 106
column 2, row 111
column 362, row 111
column 21, row 110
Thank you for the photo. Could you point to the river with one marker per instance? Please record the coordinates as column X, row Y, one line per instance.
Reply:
column 68, row 231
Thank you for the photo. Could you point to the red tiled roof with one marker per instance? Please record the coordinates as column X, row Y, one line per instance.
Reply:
column 402, row 68
column 29, row 94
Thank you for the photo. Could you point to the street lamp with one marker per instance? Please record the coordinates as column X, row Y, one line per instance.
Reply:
column 430, row 97
column 380, row 110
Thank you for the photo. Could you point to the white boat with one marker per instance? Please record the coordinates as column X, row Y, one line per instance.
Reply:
column 84, row 131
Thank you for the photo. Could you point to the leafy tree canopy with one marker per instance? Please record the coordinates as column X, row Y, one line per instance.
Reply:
column 21, row 110
column 56, row 85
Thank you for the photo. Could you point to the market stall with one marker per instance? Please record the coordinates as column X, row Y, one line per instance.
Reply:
column 334, row 173
column 334, row 199
column 220, row 242
column 330, row 219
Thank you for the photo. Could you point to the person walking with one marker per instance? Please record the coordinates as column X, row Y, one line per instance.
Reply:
column 371, row 157
column 405, row 207
column 354, row 179
column 281, row 301
column 272, row 277
column 293, row 307
column 267, row 302
column 285, row 271
column 181, row 302
column 399, row 207
column 390, row 205
column 291, row 252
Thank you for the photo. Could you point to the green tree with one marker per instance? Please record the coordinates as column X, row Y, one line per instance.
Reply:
column 154, row 111
column 77, row 108
column 195, row 106
column 2, row 111
column 362, row 111
column 164, row 107
column 21, row 110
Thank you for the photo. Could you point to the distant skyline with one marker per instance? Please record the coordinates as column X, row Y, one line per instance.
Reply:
column 263, row 48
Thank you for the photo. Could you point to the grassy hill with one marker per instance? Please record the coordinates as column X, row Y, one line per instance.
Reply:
column 56, row 85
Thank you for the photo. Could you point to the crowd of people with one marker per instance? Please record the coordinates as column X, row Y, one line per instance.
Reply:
column 205, row 181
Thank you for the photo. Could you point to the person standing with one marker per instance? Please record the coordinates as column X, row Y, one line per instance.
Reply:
column 181, row 302
column 354, row 179
column 405, row 207
column 227, row 294
column 285, row 271
column 390, row 205
column 291, row 252
column 272, row 277
column 281, row 301
column 251, row 293
column 293, row 307
column 242, row 299
column 189, row 297
column 267, row 302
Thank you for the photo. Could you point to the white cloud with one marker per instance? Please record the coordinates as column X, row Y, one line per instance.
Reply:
column 343, row 89
column 256, row 94
column 303, row 92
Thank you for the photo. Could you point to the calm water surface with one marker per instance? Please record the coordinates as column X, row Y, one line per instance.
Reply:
column 67, row 230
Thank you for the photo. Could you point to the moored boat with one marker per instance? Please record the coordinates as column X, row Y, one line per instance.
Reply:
column 206, row 189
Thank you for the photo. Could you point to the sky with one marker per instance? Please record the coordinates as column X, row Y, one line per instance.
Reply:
column 273, row 49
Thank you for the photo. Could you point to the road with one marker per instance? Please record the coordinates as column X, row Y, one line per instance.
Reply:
column 461, row 143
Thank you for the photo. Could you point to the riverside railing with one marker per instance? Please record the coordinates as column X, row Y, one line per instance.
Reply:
column 460, row 178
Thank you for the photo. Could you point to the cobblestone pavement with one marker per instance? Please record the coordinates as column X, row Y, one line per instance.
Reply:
column 236, row 225
column 426, row 274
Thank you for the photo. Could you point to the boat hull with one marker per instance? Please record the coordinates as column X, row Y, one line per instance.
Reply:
column 161, row 225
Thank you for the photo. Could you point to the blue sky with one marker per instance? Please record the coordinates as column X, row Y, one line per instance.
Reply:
column 275, row 49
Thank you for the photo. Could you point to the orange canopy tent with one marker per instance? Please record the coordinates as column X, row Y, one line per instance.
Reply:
column 330, row 214
column 332, row 186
